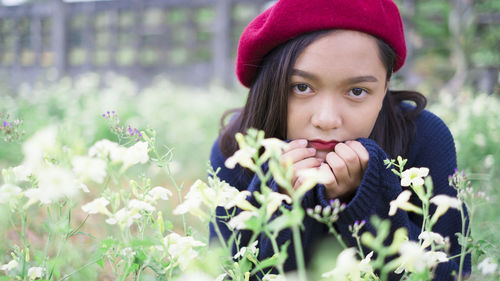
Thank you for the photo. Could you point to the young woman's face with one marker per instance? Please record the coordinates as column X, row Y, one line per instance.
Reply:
column 338, row 84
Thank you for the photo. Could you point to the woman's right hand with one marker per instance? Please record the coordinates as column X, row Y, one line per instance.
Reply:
column 302, row 157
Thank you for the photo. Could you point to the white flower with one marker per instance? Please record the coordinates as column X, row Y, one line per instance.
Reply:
column 97, row 206
column 138, row 205
column 194, row 199
column 243, row 156
column 9, row 266
column 158, row 192
column 401, row 202
column 414, row 258
column 239, row 221
column 273, row 201
column 43, row 142
column 35, row 272
column 444, row 202
column 414, row 176
column 228, row 197
column 348, row 267
column 487, row 267
column 219, row 278
column 364, row 265
column 181, row 248
column 54, row 183
column 431, row 237
column 273, row 277
column 10, row 194
column 22, row 173
column 272, row 146
column 252, row 248
column 138, row 153
column 105, row 148
column 315, row 175
column 124, row 217
column 89, row 168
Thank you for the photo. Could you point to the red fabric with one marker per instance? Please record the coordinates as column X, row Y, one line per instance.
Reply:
column 289, row 18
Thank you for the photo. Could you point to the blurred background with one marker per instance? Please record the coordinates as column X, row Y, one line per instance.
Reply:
column 168, row 65
column 451, row 43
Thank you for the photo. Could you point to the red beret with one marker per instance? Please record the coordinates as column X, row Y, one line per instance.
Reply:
column 287, row 19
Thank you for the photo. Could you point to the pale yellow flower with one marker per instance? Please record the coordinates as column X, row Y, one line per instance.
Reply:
column 487, row 267
column 10, row 194
column 273, row 277
column 35, row 272
column 22, row 173
column 239, row 221
column 9, row 266
column 444, row 202
column 252, row 249
column 89, row 168
column 124, row 217
column 401, row 202
column 243, row 156
column 137, row 205
column 138, row 153
column 273, row 201
column 97, row 206
column 348, row 267
column 42, row 143
column 54, row 183
column 182, row 248
column 414, row 176
column 431, row 237
column 158, row 192
column 414, row 258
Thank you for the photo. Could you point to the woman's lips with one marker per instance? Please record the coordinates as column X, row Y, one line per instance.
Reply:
column 323, row 145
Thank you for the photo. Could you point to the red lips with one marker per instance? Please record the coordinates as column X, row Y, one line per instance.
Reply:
column 323, row 145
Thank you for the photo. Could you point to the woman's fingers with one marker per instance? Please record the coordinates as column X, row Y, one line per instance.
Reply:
column 297, row 151
column 362, row 153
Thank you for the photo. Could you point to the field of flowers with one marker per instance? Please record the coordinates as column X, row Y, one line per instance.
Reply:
column 101, row 181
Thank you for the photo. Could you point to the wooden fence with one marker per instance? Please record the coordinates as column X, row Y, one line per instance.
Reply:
column 191, row 41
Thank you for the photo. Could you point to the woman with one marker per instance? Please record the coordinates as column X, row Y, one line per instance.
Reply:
column 318, row 73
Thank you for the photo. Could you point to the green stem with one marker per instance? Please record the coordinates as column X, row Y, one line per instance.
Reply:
column 462, row 249
column 299, row 255
column 81, row 268
column 276, row 251
column 332, row 230
column 219, row 234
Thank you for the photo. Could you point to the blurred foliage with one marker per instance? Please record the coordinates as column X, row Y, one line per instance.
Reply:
column 186, row 119
column 474, row 121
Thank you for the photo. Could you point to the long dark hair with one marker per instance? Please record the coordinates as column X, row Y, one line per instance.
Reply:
column 267, row 102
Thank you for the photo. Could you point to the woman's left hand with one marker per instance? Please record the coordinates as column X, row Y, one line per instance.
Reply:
column 346, row 165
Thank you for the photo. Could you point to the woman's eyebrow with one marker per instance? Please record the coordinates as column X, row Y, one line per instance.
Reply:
column 304, row 74
column 352, row 80
column 359, row 79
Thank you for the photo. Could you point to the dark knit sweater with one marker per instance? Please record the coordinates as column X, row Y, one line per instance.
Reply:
column 433, row 147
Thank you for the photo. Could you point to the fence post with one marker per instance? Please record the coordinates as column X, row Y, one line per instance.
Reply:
column 59, row 36
column 222, row 43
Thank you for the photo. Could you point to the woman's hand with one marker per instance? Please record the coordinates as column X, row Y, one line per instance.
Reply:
column 301, row 157
column 346, row 165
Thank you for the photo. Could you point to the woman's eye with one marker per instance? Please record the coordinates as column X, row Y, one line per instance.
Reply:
column 301, row 88
column 357, row 92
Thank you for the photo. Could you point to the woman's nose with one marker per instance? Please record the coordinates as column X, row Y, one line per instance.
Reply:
column 327, row 115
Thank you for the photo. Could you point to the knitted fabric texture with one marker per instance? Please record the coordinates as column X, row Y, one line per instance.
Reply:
column 289, row 18
column 433, row 147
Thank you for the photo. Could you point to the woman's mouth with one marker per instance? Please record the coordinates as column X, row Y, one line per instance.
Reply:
column 323, row 145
